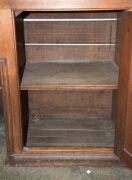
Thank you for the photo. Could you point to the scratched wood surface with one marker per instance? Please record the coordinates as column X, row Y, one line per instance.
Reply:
column 71, row 131
column 70, row 75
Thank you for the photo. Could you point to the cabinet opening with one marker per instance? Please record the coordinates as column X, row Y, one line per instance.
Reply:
column 68, row 64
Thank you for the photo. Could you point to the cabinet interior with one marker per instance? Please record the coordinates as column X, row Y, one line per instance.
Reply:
column 68, row 66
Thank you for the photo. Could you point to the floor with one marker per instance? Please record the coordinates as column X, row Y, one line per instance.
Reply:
column 58, row 173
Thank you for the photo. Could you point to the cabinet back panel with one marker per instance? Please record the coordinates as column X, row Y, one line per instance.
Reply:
column 70, row 32
column 70, row 53
column 91, row 103
column 99, row 113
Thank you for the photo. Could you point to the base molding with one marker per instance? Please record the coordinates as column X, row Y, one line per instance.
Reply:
column 62, row 159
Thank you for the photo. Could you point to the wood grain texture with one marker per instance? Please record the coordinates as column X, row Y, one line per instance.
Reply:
column 123, row 136
column 70, row 75
column 70, row 32
column 66, row 4
column 54, row 112
column 61, row 103
column 85, row 32
column 73, row 131
column 6, row 105
column 69, row 53
column 67, row 103
column 94, row 150
column 29, row 158
column 11, row 82
column 124, row 99
column 70, row 99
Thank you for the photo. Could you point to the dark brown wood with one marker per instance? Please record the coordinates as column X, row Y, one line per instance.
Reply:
column 71, row 131
column 93, row 112
column 71, row 14
column 67, row 103
column 64, row 159
column 0, row 80
column 71, row 32
column 21, row 58
column 67, row 32
column 123, row 143
column 1, row 106
column 11, row 90
column 71, row 99
column 102, row 138
column 70, row 53
column 70, row 123
column 64, row 156
column 96, row 75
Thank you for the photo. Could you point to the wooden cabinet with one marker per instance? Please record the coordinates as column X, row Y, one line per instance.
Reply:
column 66, row 82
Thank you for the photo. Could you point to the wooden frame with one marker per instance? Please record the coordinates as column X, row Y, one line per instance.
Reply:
column 123, row 113
column 19, row 155
column 10, row 78
column 66, row 5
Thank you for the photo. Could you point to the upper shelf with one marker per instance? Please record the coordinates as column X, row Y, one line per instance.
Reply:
column 81, row 75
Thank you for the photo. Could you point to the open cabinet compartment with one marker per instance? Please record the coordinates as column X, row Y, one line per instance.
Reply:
column 69, row 76
column 66, row 80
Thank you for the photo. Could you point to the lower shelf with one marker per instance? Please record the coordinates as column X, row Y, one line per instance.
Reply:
column 70, row 131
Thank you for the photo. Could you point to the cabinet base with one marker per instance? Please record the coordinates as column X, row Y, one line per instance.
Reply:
column 62, row 160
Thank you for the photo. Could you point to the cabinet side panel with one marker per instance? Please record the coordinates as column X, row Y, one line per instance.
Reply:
column 123, row 146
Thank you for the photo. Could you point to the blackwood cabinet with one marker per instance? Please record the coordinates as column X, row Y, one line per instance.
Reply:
column 66, row 80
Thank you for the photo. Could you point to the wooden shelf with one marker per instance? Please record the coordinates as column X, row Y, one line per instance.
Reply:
column 71, row 131
column 82, row 75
